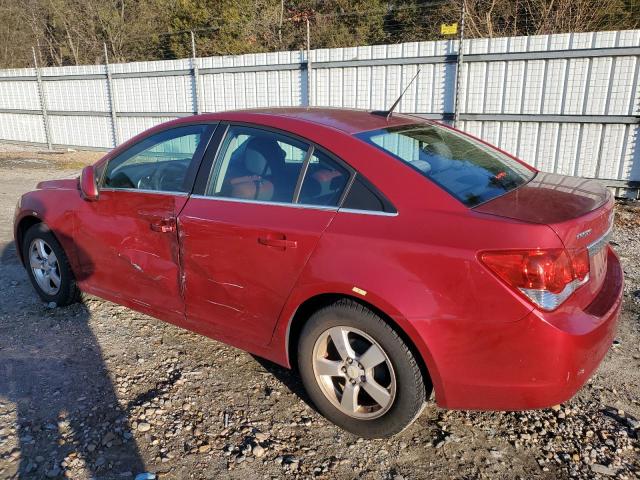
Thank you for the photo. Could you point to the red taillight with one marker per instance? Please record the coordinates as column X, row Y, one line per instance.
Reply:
column 580, row 263
column 547, row 277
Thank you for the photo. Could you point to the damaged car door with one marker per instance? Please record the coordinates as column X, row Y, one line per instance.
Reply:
column 127, row 240
column 249, row 229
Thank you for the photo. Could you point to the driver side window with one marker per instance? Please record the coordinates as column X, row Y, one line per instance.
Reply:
column 158, row 163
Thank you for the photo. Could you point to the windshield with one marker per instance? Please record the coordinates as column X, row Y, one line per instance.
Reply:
column 469, row 170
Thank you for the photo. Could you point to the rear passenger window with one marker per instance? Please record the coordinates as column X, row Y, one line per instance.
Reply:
column 255, row 164
column 324, row 181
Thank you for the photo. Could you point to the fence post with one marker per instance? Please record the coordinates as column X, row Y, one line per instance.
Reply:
column 309, row 72
column 195, row 76
column 456, row 104
column 43, row 100
column 112, row 100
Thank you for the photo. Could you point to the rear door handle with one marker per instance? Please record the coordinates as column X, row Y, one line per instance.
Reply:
column 279, row 241
column 164, row 225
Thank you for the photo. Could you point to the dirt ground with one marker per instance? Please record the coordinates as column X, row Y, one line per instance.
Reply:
column 99, row 391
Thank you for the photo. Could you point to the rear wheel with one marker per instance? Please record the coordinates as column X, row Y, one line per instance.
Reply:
column 48, row 267
column 358, row 371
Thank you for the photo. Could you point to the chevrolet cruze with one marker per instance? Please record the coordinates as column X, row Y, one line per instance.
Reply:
column 382, row 256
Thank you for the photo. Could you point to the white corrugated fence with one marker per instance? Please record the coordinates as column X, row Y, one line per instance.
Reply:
column 567, row 103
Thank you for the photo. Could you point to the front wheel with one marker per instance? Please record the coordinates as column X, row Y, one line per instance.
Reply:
column 48, row 267
column 358, row 371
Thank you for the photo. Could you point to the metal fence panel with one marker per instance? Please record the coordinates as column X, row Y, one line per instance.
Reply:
column 22, row 128
column 81, row 130
column 19, row 95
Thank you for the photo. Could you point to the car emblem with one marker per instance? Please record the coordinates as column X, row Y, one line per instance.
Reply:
column 586, row 233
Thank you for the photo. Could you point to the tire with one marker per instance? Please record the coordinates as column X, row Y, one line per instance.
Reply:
column 67, row 291
column 398, row 373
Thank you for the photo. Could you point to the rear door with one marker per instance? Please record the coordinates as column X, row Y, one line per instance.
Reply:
column 127, row 240
column 249, row 232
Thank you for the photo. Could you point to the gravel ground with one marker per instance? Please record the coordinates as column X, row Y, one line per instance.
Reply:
column 99, row 391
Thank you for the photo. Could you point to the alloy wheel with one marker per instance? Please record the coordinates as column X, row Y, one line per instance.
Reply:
column 354, row 372
column 44, row 265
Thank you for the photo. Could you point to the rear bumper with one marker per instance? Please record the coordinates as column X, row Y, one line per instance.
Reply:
column 533, row 363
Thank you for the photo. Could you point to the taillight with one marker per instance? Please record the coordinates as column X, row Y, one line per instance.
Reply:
column 545, row 277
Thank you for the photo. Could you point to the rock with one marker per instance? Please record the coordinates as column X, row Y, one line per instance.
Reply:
column 109, row 437
column 633, row 423
column 204, row 448
column 603, row 470
column 258, row 451
column 52, row 305
column 144, row 427
column 54, row 472
column 497, row 454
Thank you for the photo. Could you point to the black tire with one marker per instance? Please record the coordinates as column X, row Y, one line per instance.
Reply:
column 68, row 291
column 411, row 388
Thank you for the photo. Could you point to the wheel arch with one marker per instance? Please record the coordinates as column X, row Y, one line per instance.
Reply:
column 401, row 326
column 24, row 224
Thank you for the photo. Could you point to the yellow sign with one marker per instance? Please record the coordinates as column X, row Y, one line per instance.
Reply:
column 449, row 29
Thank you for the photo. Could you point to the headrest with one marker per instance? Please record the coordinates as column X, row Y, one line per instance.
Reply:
column 268, row 147
column 440, row 156
column 255, row 162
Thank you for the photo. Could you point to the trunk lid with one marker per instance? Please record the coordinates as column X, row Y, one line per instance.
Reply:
column 580, row 211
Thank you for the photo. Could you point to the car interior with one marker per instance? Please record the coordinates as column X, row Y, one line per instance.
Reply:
column 167, row 175
column 260, row 169
column 256, row 165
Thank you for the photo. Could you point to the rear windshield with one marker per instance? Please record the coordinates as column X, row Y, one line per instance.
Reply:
column 469, row 170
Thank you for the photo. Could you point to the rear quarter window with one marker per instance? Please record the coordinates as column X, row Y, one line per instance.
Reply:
column 469, row 170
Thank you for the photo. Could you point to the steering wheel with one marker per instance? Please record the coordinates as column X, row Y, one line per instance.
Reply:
column 167, row 177
column 146, row 182
column 170, row 177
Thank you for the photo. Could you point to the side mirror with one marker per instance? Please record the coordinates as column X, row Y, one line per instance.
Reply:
column 88, row 184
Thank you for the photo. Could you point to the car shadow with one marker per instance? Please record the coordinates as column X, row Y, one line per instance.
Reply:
column 290, row 378
column 53, row 372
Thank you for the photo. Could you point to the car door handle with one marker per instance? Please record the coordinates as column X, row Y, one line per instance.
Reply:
column 164, row 225
column 278, row 242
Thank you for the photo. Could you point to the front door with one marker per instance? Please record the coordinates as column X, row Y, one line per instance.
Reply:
column 247, row 239
column 127, row 241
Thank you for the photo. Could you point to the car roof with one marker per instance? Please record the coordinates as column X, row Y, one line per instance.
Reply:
column 350, row 121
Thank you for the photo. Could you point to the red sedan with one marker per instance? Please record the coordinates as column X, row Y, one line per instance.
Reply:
column 383, row 257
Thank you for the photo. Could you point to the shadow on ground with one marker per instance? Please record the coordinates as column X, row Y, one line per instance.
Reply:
column 52, row 369
column 288, row 377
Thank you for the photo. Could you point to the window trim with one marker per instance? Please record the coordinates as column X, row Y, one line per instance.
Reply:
column 194, row 165
column 273, row 204
column 303, row 174
column 142, row 190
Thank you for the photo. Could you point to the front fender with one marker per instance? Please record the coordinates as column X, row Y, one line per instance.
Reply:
column 55, row 208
